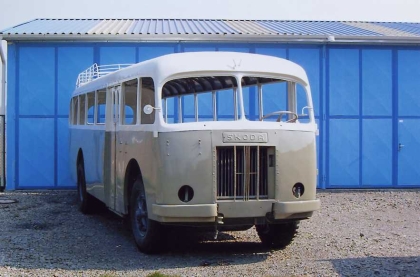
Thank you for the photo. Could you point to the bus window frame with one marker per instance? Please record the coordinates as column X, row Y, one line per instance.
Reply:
column 87, row 107
column 156, row 102
column 97, row 119
column 123, row 105
column 80, row 96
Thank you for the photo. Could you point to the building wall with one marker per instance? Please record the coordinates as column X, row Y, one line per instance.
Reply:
column 366, row 99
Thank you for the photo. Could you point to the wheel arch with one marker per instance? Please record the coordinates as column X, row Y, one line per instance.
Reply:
column 131, row 173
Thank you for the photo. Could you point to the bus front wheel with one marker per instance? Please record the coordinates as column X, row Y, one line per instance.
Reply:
column 277, row 236
column 147, row 233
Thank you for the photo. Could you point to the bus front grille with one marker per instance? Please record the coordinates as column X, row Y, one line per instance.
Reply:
column 242, row 172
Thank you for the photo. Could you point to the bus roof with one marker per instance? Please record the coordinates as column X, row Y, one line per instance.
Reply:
column 180, row 65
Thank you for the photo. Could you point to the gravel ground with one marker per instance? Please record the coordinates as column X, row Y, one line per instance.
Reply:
column 356, row 233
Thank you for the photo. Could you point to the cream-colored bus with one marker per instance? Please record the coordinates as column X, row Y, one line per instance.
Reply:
column 211, row 139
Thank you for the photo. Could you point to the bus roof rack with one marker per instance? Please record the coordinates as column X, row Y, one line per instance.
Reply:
column 96, row 71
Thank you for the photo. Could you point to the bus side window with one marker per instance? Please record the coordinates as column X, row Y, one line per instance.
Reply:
column 147, row 98
column 205, row 106
column 226, row 104
column 101, row 106
column 90, row 107
column 188, row 113
column 129, row 102
column 168, row 106
column 82, row 109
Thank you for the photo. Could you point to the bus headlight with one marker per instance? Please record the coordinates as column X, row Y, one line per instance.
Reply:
column 298, row 190
column 185, row 193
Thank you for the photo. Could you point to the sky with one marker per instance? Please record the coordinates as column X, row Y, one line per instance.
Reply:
column 13, row 12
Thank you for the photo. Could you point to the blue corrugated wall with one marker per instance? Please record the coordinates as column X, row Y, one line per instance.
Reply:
column 366, row 98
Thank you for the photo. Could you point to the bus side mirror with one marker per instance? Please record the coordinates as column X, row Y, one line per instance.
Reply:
column 148, row 109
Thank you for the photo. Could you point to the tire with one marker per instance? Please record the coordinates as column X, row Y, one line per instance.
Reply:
column 277, row 236
column 148, row 234
column 86, row 201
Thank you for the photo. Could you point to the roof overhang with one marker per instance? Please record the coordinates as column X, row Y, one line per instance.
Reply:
column 212, row 30
column 212, row 38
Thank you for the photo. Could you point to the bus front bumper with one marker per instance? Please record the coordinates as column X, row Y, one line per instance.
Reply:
column 295, row 209
column 186, row 213
column 232, row 209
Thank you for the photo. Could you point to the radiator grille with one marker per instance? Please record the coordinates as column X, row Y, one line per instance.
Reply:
column 242, row 172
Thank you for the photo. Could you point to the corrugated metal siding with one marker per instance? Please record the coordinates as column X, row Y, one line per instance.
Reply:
column 412, row 28
column 247, row 27
column 314, row 28
column 162, row 27
column 123, row 26
column 54, row 26
column 190, row 27
column 377, row 28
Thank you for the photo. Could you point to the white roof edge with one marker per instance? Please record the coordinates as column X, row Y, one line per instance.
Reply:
column 168, row 66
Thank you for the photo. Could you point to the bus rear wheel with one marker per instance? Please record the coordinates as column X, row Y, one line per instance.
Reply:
column 147, row 233
column 277, row 236
column 85, row 200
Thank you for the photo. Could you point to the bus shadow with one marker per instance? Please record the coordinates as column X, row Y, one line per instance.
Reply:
column 377, row 266
column 51, row 233
column 192, row 247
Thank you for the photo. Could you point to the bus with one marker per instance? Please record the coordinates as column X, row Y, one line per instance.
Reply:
column 219, row 140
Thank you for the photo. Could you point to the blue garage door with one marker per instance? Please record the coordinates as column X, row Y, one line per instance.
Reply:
column 343, row 110
column 376, row 153
column 360, row 118
column 46, row 76
column 35, row 111
column 408, row 148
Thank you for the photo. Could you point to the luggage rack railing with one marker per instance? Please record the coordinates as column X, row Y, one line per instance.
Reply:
column 96, row 71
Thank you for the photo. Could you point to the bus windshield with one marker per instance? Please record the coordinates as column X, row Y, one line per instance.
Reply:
column 220, row 98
